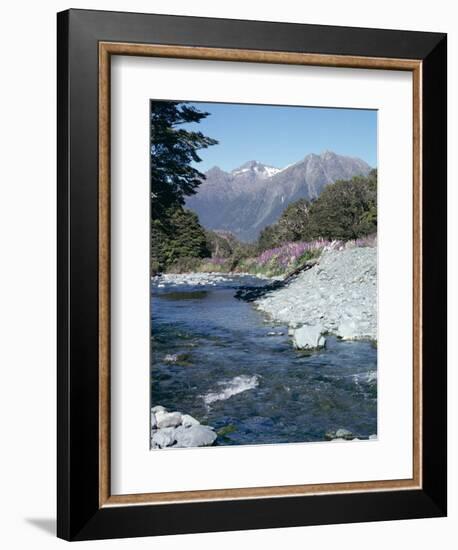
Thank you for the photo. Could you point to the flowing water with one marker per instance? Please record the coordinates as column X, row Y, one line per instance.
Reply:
column 223, row 362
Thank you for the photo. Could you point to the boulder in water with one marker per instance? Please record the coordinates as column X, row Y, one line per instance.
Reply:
column 346, row 434
column 308, row 337
column 194, row 436
column 168, row 420
column 187, row 421
column 347, row 330
column 173, row 429
column 163, row 438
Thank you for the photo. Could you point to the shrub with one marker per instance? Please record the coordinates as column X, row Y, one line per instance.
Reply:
column 344, row 210
column 179, row 236
column 184, row 264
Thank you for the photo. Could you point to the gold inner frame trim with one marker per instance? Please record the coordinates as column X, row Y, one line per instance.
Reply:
column 106, row 50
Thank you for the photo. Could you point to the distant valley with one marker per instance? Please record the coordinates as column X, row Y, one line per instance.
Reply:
column 253, row 196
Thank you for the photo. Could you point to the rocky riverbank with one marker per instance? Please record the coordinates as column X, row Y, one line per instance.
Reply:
column 220, row 360
column 197, row 279
column 337, row 296
column 174, row 429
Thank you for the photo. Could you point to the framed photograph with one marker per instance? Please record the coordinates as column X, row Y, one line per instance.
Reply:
column 252, row 274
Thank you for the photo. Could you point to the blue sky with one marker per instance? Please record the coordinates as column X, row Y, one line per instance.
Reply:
column 278, row 135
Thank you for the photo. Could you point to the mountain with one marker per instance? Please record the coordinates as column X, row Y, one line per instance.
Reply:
column 252, row 196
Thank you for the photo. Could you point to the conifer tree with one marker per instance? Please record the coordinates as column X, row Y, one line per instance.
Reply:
column 173, row 150
column 175, row 232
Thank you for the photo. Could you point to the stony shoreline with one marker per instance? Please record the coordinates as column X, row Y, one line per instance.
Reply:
column 200, row 278
column 337, row 296
column 177, row 430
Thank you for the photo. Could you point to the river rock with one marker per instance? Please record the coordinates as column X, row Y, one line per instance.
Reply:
column 163, row 438
column 174, row 429
column 187, row 421
column 308, row 337
column 194, row 436
column 343, row 433
column 168, row 420
column 339, row 294
column 347, row 330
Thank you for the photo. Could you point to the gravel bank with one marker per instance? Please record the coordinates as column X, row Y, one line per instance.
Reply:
column 197, row 279
column 338, row 295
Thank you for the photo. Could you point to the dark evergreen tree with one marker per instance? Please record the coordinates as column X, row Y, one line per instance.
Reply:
column 175, row 232
column 346, row 209
column 173, row 149
column 188, row 239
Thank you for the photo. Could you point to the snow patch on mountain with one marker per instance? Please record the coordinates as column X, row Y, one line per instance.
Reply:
column 253, row 195
column 256, row 168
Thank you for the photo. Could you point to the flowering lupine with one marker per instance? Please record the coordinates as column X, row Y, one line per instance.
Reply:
column 284, row 258
column 288, row 254
column 369, row 240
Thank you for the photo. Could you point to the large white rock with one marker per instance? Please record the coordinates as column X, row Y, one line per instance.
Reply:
column 347, row 330
column 168, row 419
column 163, row 438
column 308, row 337
column 194, row 436
column 187, row 421
column 342, row 432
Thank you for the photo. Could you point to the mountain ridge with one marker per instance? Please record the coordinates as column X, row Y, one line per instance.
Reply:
column 253, row 195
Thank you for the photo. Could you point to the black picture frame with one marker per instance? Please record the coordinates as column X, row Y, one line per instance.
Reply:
column 79, row 515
